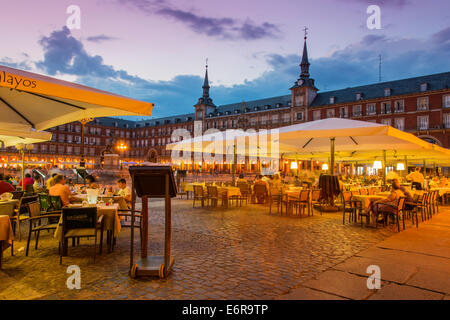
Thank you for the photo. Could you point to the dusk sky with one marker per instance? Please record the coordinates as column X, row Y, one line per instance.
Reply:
column 155, row 50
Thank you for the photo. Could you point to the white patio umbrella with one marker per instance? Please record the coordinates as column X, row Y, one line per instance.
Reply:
column 322, row 138
column 42, row 102
column 11, row 135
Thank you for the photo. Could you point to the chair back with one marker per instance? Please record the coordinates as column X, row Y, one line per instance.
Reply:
column 304, row 195
column 17, row 194
column 44, row 201
column 29, row 189
column 212, row 191
column 198, row 191
column 347, row 195
column 56, row 202
column 260, row 188
column 243, row 186
column 79, row 218
column 23, row 208
column 315, row 196
column 364, row 192
column 401, row 203
column 34, row 209
column 371, row 191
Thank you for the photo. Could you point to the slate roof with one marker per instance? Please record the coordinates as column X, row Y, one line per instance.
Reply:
column 398, row 87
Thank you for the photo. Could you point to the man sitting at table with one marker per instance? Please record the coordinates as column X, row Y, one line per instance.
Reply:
column 90, row 180
column 5, row 186
column 27, row 181
column 51, row 182
column 62, row 190
column 123, row 191
column 386, row 205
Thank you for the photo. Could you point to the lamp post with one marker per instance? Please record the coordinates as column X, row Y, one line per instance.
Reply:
column 83, row 124
column 22, row 147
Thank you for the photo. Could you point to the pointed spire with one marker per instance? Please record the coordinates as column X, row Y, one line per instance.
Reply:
column 304, row 65
column 206, row 82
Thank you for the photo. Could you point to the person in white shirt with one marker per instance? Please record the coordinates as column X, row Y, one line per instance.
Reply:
column 417, row 179
column 124, row 191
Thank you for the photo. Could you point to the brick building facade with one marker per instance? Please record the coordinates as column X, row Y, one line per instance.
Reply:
column 418, row 105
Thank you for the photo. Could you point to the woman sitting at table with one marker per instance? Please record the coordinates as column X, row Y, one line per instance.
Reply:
column 386, row 205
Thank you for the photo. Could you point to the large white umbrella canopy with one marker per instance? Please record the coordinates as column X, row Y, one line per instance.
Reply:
column 42, row 102
column 12, row 135
column 351, row 139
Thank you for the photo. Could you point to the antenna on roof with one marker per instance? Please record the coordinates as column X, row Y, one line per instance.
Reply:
column 379, row 69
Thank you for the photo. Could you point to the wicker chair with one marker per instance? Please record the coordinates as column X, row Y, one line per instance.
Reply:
column 198, row 195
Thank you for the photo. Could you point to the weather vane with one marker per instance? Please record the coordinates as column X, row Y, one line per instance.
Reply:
column 305, row 29
column 206, row 63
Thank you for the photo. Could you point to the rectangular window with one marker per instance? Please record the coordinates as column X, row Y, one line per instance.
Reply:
column 317, row 115
column 422, row 103
column 387, row 92
column 274, row 118
column 357, row 110
column 330, row 113
column 447, row 101
column 343, row 112
column 399, row 106
column 299, row 116
column 446, row 120
column 286, row 117
column 386, row 122
column 371, row 108
column 422, row 123
column 400, row 123
column 386, row 107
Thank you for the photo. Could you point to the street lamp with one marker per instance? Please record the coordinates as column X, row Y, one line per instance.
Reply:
column 22, row 147
column 122, row 147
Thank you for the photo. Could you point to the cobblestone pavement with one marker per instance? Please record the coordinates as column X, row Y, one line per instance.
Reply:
column 238, row 253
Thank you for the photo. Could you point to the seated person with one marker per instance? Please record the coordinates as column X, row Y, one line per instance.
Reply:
column 386, row 205
column 37, row 187
column 27, row 181
column 123, row 191
column 50, row 181
column 91, row 184
column 276, row 181
column 5, row 186
column 241, row 179
column 297, row 182
column 62, row 190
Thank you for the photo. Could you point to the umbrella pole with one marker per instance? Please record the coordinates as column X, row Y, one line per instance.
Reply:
column 384, row 167
column 234, row 162
column 406, row 166
column 332, row 140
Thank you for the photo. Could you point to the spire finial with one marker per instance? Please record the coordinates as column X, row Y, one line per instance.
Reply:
column 305, row 29
column 206, row 63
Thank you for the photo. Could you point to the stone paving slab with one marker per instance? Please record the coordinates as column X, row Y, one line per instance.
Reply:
column 238, row 253
column 415, row 264
column 390, row 271
column 310, row 294
column 398, row 292
column 431, row 279
column 340, row 283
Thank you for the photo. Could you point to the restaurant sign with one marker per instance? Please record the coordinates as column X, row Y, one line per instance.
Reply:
column 16, row 82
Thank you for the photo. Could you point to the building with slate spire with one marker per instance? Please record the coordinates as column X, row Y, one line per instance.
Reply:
column 419, row 105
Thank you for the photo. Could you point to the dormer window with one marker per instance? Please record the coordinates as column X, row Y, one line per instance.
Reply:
column 358, row 96
column 289, row 103
column 236, row 111
column 424, row 87
column 255, row 108
column 332, row 99
column 267, row 106
column 278, row 105
column 387, row 92
column 116, row 124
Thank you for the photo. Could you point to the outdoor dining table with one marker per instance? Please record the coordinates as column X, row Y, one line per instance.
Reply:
column 111, row 221
column 190, row 186
column 227, row 193
column 6, row 235
column 116, row 199
column 442, row 190
column 367, row 199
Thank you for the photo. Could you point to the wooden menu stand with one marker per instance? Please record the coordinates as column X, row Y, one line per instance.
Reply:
column 153, row 181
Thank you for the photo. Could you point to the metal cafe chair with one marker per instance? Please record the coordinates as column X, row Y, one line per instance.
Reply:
column 398, row 209
column 301, row 202
column 275, row 197
column 21, row 213
column 80, row 223
column 212, row 195
column 36, row 219
column 198, row 195
column 316, row 199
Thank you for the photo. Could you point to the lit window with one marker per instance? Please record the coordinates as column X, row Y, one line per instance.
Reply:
column 371, row 108
column 424, row 87
column 422, row 103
